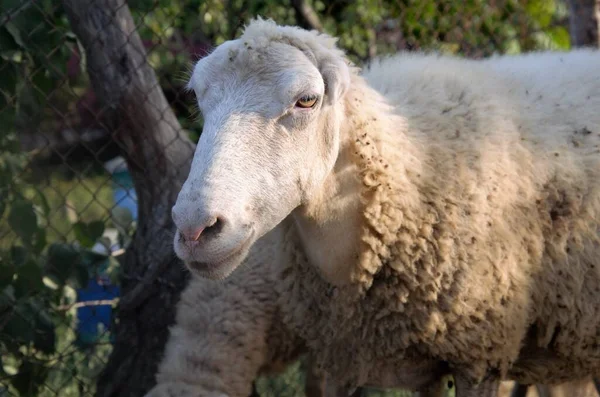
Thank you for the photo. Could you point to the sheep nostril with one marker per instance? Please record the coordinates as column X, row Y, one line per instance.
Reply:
column 214, row 227
column 196, row 232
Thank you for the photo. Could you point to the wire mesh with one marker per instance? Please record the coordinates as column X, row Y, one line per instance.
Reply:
column 68, row 203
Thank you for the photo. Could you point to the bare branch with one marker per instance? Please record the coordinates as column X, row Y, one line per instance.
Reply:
column 77, row 305
column 307, row 16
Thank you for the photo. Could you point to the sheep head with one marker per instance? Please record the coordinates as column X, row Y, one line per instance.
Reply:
column 272, row 107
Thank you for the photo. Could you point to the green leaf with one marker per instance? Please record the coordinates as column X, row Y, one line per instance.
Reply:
column 38, row 242
column 23, row 220
column 31, row 322
column 3, row 198
column 7, row 117
column 28, row 26
column 88, row 233
column 561, row 38
column 45, row 337
column 29, row 110
column 81, row 234
column 68, row 264
column 62, row 260
column 18, row 255
column 7, row 40
column 43, row 201
column 19, row 327
column 29, row 279
column 96, row 228
column 81, row 275
column 7, row 273
column 43, row 85
column 30, row 378
column 14, row 31
column 7, row 298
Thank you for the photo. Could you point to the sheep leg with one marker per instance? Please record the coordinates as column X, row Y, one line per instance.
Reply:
column 315, row 380
column 597, row 384
column 254, row 391
column 520, row 390
column 542, row 390
column 357, row 393
column 487, row 388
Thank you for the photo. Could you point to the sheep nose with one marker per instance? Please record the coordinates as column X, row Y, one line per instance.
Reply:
column 193, row 228
column 192, row 234
column 210, row 226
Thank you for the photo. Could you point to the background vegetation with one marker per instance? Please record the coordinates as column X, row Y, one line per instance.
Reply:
column 57, row 202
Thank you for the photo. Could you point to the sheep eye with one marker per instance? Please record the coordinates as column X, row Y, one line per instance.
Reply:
column 307, row 101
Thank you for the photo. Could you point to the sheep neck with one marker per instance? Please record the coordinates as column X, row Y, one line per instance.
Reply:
column 336, row 225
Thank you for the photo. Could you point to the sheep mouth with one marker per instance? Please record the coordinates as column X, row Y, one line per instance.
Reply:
column 222, row 267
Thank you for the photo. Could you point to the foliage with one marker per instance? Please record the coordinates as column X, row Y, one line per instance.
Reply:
column 40, row 269
column 37, row 291
column 49, row 223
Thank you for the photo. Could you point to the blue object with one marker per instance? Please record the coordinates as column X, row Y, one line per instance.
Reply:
column 99, row 287
column 89, row 317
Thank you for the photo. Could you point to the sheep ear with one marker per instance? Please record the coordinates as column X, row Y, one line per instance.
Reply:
column 336, row 76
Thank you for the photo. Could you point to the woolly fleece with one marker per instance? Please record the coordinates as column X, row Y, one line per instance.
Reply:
column 226, row 333
column 480, row 203
column 479, row 210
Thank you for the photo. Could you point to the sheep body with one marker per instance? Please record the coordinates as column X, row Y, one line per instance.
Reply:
column 481, row 211
column 469, row 191
column 226, row 333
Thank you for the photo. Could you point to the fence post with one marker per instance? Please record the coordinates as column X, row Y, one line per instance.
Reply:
column 158, row 156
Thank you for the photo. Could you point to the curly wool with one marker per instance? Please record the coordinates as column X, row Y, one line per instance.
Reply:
column 227, row 333
column 480, row 236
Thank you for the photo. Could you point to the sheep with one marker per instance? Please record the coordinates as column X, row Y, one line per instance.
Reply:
column 226, row 333
column 429, row 209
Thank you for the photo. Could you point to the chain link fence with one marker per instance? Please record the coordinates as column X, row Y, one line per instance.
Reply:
column 68, row 203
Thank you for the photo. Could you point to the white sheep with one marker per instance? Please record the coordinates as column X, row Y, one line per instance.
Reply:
column 229, row 332
column 432, row 209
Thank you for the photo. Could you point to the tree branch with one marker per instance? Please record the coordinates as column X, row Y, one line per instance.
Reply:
column 77, row 305
column 306, row 15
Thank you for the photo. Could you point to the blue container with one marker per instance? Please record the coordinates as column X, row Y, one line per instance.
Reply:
column 99, row 287
column 90, row 317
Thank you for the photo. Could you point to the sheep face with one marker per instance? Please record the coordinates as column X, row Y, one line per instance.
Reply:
column 272, row 114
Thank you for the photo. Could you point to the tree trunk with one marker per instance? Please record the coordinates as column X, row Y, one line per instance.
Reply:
column 584, row 23
column 158, row 155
